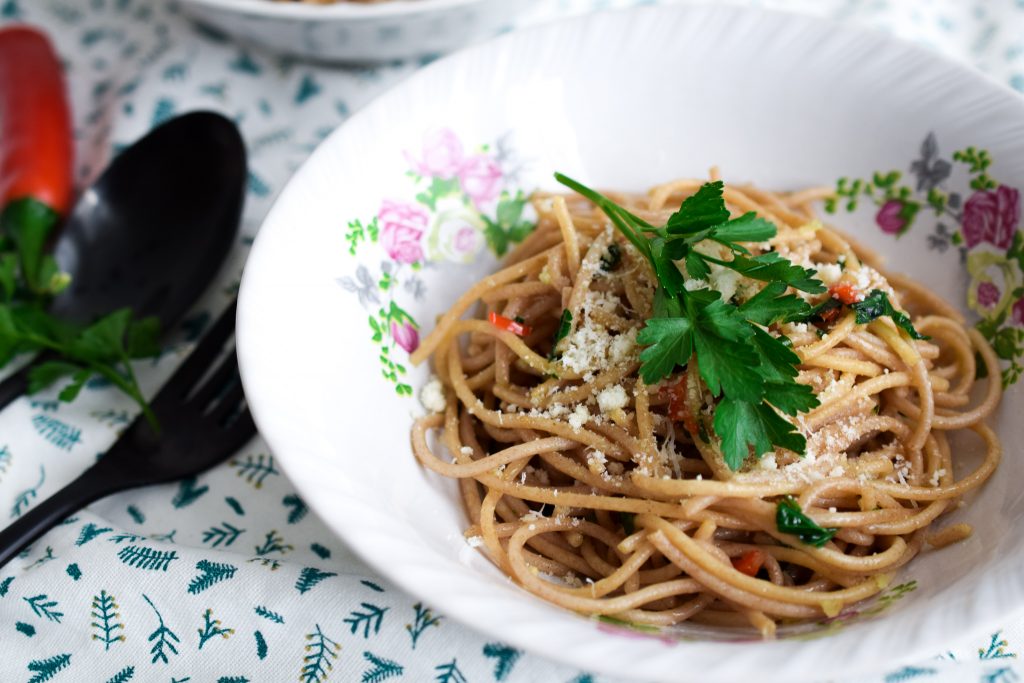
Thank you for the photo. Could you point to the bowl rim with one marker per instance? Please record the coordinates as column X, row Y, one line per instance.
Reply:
column 852, row 667
column 340, row 10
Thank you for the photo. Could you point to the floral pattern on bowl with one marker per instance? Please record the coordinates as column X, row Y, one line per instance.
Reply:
column 459, row 201
column 984, row 229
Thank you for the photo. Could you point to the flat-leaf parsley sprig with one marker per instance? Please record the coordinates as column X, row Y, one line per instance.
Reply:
column 750, row 372
column 29, row 279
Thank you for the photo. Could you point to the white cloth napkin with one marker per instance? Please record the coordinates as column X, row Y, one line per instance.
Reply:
column 229, row 577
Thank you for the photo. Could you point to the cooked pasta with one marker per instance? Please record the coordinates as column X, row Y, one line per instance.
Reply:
column 610, row 497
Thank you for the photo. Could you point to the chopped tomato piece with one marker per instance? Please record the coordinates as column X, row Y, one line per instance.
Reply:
column 509, row 325
column 678, row 408
column 749, row 563
column 845, row 292
column 831, row 315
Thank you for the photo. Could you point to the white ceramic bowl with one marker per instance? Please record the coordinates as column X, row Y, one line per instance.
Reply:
column 621, row 100
column 356, row 32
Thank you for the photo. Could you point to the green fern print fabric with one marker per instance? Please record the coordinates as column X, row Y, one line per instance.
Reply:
column 229, row 577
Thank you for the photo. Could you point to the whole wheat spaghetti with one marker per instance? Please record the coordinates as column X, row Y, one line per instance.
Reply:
column 611, row 497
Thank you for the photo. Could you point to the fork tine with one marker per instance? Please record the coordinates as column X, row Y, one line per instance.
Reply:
column 229, row 403
column 200, row 358
column 216, row 384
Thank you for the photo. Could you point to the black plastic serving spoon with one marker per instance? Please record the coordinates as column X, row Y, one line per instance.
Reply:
column 155, row 227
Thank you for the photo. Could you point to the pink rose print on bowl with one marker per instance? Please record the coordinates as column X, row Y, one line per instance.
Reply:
column 405, row 335
column 441, row 155
column 458, row 199
column 888, row 217
column 988, row 295
column 481, row 180
column 991, row 216
column 984, row 228
column 402, row 227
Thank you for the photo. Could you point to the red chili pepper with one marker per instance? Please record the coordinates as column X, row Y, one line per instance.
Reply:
column 678, row 407
column 35, row 123
column 845, row 293
column 36, row 148
column 749, row 563
column 509, row 325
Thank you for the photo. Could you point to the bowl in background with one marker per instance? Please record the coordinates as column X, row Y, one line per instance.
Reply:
column 358, row 32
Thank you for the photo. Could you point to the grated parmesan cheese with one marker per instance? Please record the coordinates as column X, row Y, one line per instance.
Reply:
column 591, row 347
column 623, row 346
column 612, row 398
column 829, row 273
column 432, row 395
column 579, row 417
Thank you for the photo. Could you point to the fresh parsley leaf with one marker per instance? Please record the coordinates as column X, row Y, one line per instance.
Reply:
column 747, row 228
column 10, row 338
column 143, row 339
column 745, row 424
column 702, row 209
column 725, row 320
column 770, row 267
column 564, row 325
column 791, row 398
column 772, row 305
column 790, row 519
column 669, row 343
column 45, row 374
column 666, row 306
column 41, row 330
column 877, row 304
column 103, row 341
column 728, row 367
column 8, row 273
column 665, row 267
column 696, row 266
column 778, row 361
column 70, row 392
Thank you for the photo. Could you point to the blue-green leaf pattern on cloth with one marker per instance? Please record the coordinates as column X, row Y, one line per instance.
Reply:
column 229, row 576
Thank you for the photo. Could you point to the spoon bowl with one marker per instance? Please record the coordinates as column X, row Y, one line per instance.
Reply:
column 152, row 231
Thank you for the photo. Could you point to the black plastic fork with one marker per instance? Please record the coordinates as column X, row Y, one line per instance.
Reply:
column 201, row 423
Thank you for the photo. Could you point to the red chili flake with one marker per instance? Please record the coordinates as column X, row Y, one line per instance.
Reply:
column 845, row 292
column 749, row 563
column 678, row 408
column 509, row 325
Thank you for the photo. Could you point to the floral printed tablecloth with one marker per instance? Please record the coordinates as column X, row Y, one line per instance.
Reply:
column 229, row 577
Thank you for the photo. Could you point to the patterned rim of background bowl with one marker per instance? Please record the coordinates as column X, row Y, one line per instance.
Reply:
column 337, row 10
column 291, row 299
